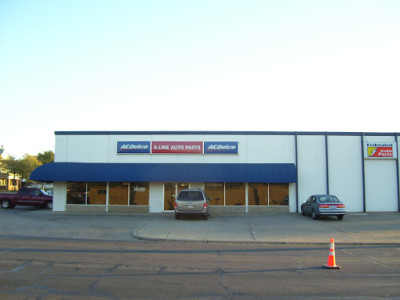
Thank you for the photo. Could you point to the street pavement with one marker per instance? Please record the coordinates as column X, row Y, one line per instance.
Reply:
column 355, row 228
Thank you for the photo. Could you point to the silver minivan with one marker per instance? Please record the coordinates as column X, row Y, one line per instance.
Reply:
column 192, row 202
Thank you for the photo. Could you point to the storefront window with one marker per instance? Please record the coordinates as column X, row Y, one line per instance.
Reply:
column 258, row 193
column 215, row 190
column 96, row 193
column 76, row 193
column 171, row 189
column 118, row 193
column 169, row 192
column 278, row 194
column 139, row 193
column 235, row 193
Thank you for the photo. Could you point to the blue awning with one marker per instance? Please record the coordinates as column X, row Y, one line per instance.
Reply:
column 165, row 172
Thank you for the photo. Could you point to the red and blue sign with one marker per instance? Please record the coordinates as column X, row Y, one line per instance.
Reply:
column 176, row 147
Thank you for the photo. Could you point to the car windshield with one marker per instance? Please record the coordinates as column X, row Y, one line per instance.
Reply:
column 328, row 199
column 190, row 196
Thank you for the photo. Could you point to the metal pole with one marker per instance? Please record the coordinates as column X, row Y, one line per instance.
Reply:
column 326, row 163
column 297, row 172
column 363, row 171
column 107, row 195
column 396, row 136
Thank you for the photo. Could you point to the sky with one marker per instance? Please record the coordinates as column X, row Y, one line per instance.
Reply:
column 197, row 65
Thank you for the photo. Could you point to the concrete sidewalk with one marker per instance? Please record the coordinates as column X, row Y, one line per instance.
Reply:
column 355, row 228
column 372, row 228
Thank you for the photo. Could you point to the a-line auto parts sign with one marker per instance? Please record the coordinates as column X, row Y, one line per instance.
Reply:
column 177, row 147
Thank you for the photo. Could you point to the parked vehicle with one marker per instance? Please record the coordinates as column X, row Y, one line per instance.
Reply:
column 323, row 205
column 26, row 196
column 192, row 202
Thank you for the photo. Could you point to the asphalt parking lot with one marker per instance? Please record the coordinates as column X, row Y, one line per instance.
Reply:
column 355, row 228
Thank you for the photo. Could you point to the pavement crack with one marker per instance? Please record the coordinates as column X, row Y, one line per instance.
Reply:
column 229, row 293
column 18, row 268
column 94, row 286
column 383, row 265
column 299, row 266
column 252, row 232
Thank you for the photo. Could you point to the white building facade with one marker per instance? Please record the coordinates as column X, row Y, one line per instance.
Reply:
column 241, row 171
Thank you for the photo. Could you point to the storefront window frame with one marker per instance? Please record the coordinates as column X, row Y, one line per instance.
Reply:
column 246, row 199
column 130, row 187
column 85, row 193
column 107, row 187
column 223, row 193
column 99, row 192
column 111, row 185
column 269, row 201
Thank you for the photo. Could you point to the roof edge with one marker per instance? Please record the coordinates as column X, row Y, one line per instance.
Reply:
column 226, row 133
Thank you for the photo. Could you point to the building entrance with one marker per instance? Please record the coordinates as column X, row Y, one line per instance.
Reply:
column 171, row 189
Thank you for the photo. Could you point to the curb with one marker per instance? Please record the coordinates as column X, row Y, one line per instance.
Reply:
column 137, row 236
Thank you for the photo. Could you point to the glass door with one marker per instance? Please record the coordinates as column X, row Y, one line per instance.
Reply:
column 171, row 189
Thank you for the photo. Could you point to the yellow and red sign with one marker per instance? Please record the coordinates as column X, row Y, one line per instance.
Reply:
column 381, row 150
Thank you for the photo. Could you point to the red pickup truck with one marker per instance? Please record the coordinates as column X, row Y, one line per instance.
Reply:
column 26, row 196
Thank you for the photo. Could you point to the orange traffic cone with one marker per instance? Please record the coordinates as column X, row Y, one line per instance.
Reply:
column 331, row 258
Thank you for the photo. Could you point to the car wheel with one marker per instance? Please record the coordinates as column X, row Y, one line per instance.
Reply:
column 340, row 217
column 49, row 205
column 5, row 203
column 314, row 215
column 205, row 216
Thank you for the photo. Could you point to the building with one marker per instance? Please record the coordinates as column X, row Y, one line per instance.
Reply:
column 8, row 181
column 242, row 171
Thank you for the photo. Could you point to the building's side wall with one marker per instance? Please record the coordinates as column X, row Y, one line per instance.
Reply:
column 380, row 185
column 82, row 148
column 61, row 146
column 345, row 160
column 380, row 180
column 156, row 197
column 292, row 197
column 398, row 173
column 270, row 149
column 311, row 166
column 59, row 196
column 103, row 148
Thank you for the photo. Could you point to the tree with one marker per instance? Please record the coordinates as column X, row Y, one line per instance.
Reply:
column 10, row 165
column 45, row 157
column 27, row 164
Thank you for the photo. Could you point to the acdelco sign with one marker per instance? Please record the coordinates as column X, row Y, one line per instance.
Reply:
column 133, row 147
column 221, row 148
